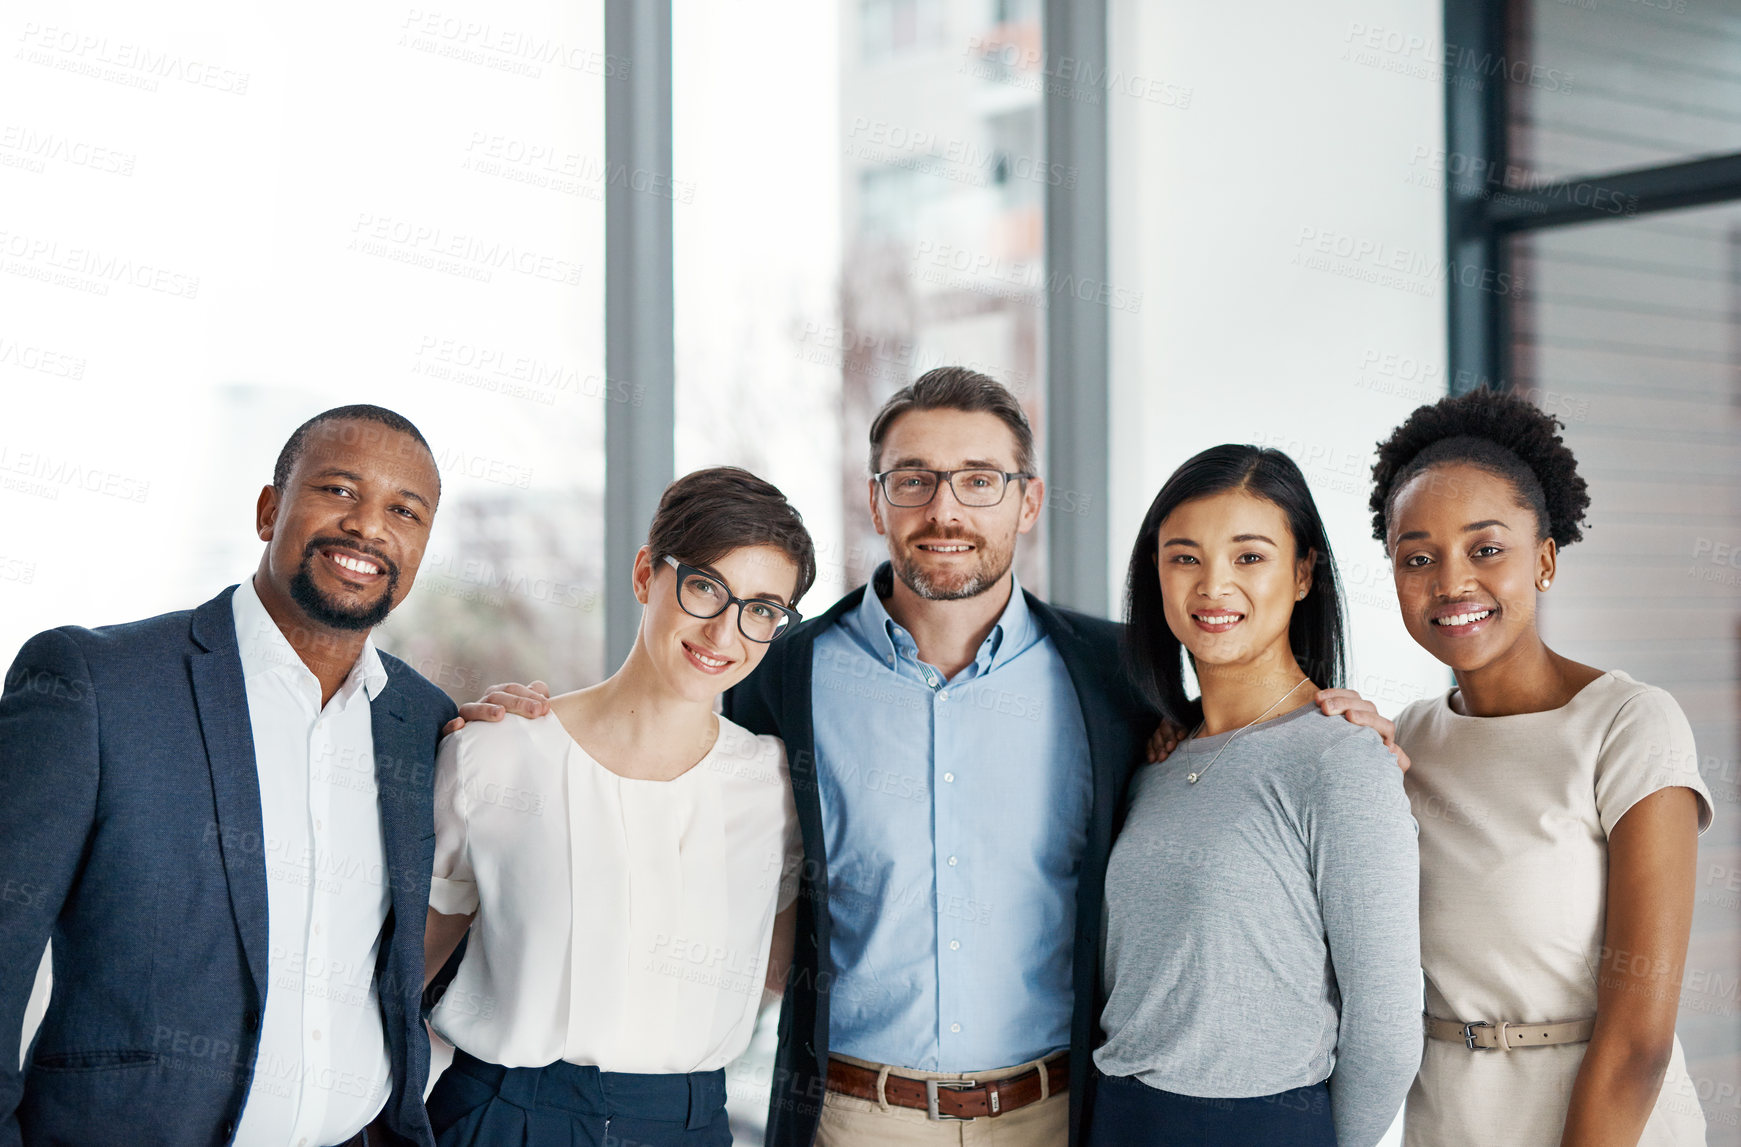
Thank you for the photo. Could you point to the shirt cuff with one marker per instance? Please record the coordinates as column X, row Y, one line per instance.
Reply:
column 453, row 897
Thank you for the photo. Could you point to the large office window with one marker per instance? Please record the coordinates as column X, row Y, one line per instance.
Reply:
column 756, row 247
column 890, row 223
column 943, row 179
column 1595, row 163
column 221, row 220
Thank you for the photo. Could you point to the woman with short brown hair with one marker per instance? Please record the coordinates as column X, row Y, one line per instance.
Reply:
column 627, row 862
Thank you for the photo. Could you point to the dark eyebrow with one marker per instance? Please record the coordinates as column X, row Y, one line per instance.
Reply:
column 1254, row 538
column 1178, row 542
column 773, row 597
column 715, row 575
column 910, row 463
column 712, row 573
column 335, row 472
column 1417, row 535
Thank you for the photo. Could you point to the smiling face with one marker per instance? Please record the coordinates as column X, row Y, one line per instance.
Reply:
column 701, row 658
column 945, row 551
column 1230, row 577
column 1467, row 563
column 346, row 535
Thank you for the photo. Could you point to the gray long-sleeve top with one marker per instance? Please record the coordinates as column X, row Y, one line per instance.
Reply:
column 1261, row 925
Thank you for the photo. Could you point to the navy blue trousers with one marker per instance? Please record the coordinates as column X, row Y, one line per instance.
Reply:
column 1130, row 1113
column 478, row 1104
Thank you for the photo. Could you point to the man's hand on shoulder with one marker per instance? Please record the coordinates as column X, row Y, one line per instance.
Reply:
column 499, row 700
column 1164, row 740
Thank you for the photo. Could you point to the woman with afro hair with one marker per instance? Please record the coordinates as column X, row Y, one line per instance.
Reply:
column 1559, row 807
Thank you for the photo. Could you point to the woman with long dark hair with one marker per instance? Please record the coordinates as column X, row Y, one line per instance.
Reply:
column 1560, row 807
column 1261, row 957
column 626, row 863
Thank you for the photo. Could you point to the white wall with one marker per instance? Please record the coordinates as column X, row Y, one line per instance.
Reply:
column 1276, row 207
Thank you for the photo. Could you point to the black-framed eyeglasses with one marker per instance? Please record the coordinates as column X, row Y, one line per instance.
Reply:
column 706, row 596
column 910, row 487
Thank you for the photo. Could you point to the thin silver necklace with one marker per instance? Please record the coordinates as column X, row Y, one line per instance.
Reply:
column 1193, row 777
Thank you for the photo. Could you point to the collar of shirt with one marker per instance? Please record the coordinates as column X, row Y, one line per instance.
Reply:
column 264, row 649
column 1013, row 631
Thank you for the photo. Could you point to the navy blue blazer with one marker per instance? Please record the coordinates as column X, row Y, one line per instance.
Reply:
column 776, row 699
column 130, row 833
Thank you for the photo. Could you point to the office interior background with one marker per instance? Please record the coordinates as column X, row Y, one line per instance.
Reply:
column 587, row 245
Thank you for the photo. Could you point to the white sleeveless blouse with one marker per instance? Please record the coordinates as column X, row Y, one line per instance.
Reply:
column 620, row 923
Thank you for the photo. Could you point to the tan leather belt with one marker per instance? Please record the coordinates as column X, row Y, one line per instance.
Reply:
column 953, row 1098
column 1506, row 1036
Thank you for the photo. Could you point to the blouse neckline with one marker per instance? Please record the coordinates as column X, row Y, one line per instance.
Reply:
column 560, row 730
column 1588, row 690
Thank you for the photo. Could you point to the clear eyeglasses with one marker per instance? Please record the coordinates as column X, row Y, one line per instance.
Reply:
column 705, row 596
column 911, row 487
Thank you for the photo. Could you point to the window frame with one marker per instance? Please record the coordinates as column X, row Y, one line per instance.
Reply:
column 1478, row 229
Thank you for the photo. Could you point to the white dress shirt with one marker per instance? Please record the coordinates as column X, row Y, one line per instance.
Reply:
column 620, row 923
column 322, row 1073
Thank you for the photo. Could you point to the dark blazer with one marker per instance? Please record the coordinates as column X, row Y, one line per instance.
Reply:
column 130, row 833
column 776, row 698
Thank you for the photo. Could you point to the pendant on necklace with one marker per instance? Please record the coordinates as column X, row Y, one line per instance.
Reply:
column 1192, row 777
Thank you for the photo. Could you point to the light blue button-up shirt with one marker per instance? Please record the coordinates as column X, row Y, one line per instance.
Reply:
column 954, row 813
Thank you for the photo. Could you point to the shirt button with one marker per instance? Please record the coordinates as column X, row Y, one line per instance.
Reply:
column 955, row 1028
column 955, row 945
column 943, row 696
column 950, row 777
column 316, row 1033
column 318, row 825
column 952, row 862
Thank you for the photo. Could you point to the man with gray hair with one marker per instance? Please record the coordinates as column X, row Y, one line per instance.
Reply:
column 968, row 746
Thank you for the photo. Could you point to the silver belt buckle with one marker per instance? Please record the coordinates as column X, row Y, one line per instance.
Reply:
column 1469, row 1034
column 931, row 1086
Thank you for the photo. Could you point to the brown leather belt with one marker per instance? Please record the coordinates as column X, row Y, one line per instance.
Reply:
column 952, row 1098
column 1505, row 1036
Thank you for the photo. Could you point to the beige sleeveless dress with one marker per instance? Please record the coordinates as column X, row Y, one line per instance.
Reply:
column 1514, row 817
